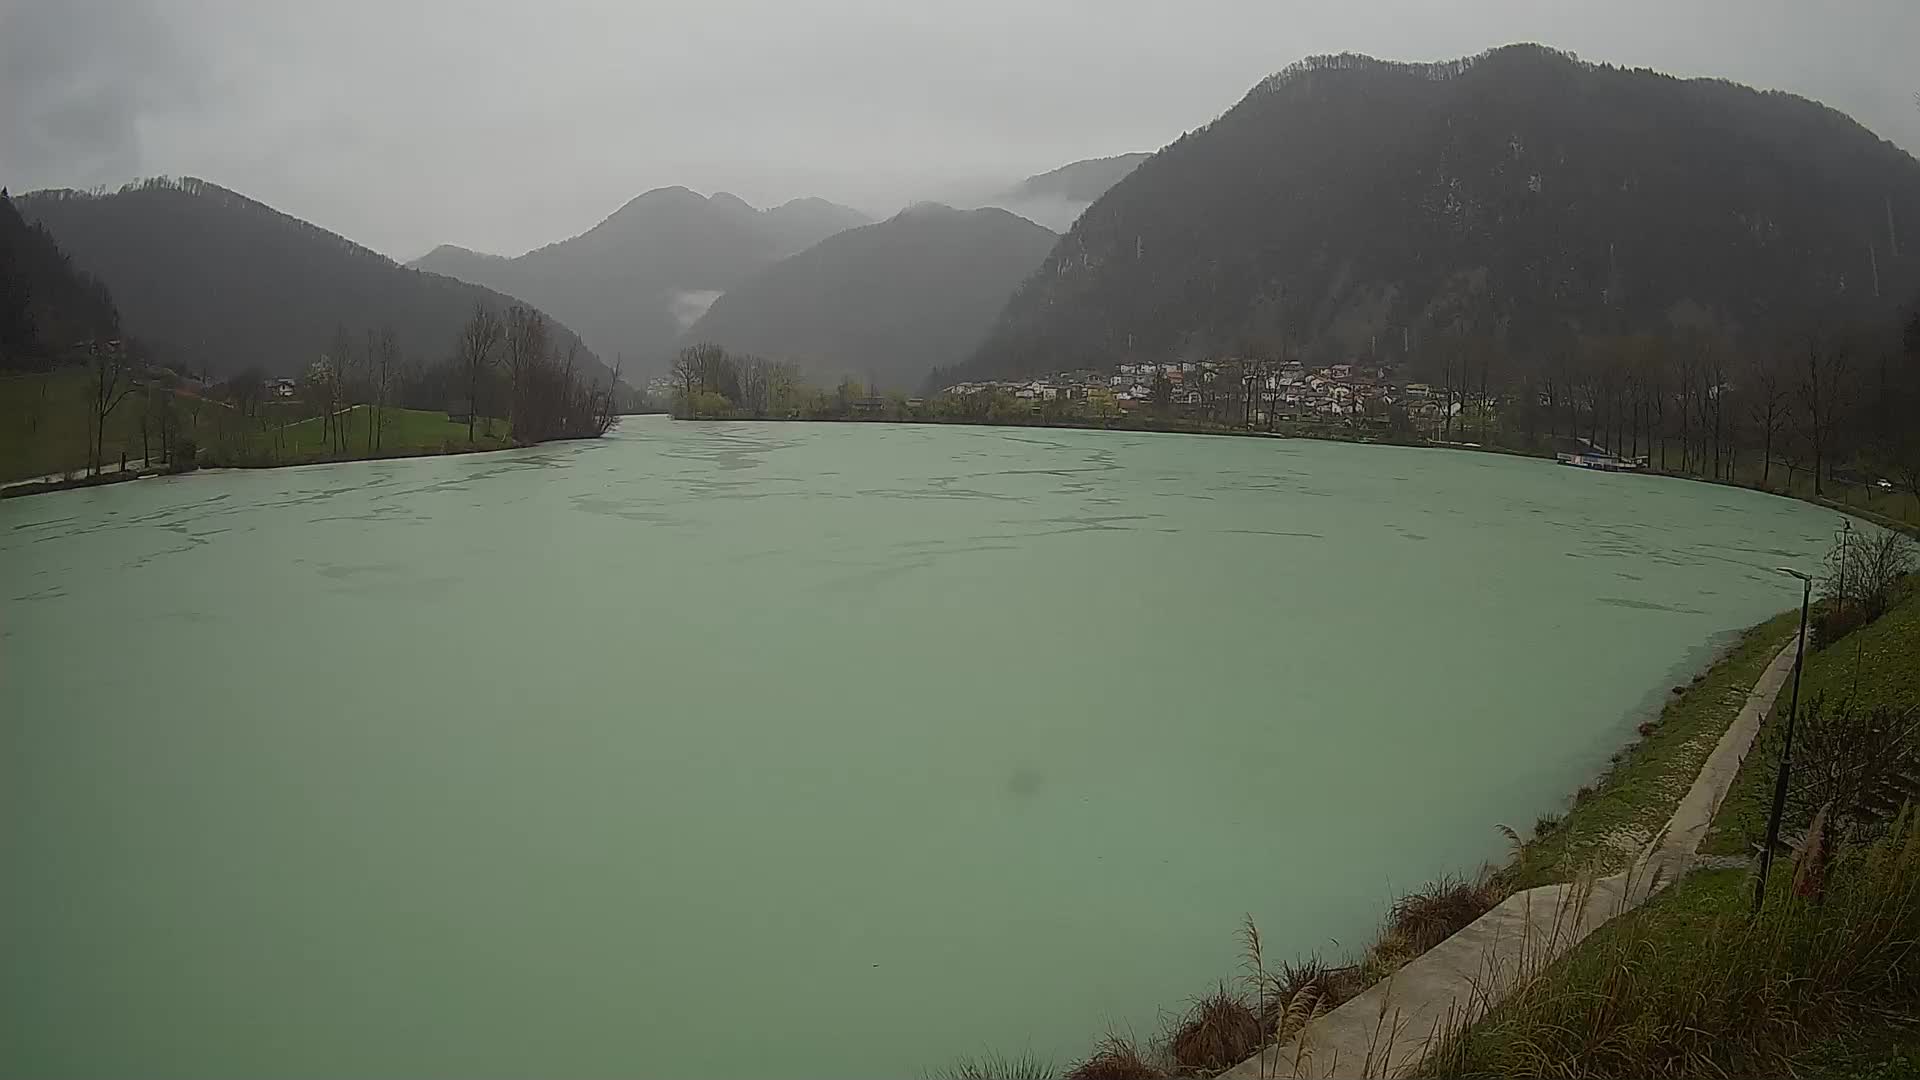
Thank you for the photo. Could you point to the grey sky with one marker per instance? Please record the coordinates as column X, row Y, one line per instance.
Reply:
column 504, row 125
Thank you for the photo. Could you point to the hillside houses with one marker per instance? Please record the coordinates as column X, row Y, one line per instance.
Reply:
column 1290, row 390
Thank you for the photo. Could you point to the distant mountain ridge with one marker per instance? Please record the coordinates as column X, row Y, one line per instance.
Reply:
column 1348, row 205
column 634, row 281
column 1057, row 197
column 885, row 302
column 209, row 278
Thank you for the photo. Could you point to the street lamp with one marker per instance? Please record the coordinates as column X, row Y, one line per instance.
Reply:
column 1786, row 750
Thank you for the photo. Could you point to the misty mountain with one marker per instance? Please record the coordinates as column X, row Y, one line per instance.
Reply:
column 632, row 283
column 1347, row 205
column 1055, row 199
column 208, row 278
column 886, row 302
column 46, row 305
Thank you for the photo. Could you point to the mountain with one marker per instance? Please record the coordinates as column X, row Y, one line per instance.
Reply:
column 885, row 302
column 632, row 283
column 1348, row 205
column 211, row 279
column 1055, row 199
column 46, row 306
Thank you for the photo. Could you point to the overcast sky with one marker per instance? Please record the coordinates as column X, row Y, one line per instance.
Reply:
column 501, row 126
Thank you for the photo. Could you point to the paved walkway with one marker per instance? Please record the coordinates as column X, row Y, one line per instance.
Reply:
column 1384, row 1031
column 134, row 465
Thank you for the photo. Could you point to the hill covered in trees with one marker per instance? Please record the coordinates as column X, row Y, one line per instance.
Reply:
column 207, row 279
column 1056, row 198
column 633, row 282
column 883, row 303
column 1348, row 206
column 46, row 306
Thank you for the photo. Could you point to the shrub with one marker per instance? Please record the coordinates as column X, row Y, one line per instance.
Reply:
column 186, row 456
column 1647, row 727
column 1858, row 760
column 1834, row 620
column 1866, row 567
column 1545, row 824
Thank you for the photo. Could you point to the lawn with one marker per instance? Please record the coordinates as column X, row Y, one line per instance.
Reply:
column 266, row 440
column 45, row 423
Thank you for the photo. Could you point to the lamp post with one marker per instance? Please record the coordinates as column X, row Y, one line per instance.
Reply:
column 1786, row 750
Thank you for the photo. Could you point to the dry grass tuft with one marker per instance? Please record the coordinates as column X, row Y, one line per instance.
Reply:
column 1115, row 1058
column 1218, row 1032
column 1423, row 919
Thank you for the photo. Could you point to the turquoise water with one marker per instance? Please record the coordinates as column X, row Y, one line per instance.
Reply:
column 800, row 750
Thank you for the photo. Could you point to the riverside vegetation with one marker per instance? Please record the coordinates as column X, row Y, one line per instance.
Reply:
column 1823, row 982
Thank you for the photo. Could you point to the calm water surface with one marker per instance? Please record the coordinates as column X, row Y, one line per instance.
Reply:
column 803, row 750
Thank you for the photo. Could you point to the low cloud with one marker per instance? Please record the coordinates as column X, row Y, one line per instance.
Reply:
column 687, row 306
column 76, row 79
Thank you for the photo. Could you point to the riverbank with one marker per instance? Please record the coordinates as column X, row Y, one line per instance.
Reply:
column 1694, row 984
column 1371, row 436
column 216, row 461
column 1607, row 825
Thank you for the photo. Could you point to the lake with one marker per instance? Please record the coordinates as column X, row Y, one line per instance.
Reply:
column 806, row 750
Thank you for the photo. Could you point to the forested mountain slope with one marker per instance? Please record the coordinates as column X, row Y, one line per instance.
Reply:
column 210, row 279
column 1352, row 206
column 46, row 306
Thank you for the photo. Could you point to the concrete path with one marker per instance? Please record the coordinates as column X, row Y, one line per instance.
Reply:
column 1385, row 1031
column 134, row 465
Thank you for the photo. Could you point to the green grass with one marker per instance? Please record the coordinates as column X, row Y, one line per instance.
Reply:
column 1637, row 795
column 44, row 424
column 263, row 441
column 1878, row 664
column 1692, row 985
column 44, row 430
column 1875, row 1048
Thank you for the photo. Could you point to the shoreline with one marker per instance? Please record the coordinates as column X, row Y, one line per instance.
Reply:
column 1866, row 514
column 15, row 489
column 1607, row 825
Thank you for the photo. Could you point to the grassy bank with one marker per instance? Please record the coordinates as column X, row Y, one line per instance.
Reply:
column 1879, row 663
column 1825, row 983
column 1691, row 986
column 44, row 430
column 1617, row 815
column 44, row 424
column 264, row 441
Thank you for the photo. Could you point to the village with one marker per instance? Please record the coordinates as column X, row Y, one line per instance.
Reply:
column 1257, row 392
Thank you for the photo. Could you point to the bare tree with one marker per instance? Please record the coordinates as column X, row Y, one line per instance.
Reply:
column 385, row 369
column 1821, row 394
column 686, row 372
column 335, row 365
column 474, row 354
column 526, row 346
column 110, row 385
column 1767, row 406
